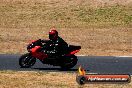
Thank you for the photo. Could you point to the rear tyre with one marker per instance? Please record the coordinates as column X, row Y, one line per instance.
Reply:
column 69, row 62
column 26, row 60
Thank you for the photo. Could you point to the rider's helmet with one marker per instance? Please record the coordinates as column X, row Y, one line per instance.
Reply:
column 53, row 34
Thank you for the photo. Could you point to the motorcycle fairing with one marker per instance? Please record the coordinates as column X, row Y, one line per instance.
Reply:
column 36, row 53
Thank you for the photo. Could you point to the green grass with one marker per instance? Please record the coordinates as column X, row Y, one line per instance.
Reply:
column 24, row 15
column 114, row 15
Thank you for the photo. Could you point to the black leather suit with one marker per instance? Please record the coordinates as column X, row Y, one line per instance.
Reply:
column 56, row 47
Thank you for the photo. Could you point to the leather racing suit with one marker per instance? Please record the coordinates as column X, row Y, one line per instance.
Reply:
column 56, row 47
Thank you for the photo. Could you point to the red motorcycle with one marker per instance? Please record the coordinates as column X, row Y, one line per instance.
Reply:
column 65, row 61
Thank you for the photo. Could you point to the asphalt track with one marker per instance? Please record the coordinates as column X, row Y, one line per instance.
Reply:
column 92, row 64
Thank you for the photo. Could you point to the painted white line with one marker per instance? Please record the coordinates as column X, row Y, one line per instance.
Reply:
column 123, row 56
column 108, row 56
column 91, row 73
column 81, row 55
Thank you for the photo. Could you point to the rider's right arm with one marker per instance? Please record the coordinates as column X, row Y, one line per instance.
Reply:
column 44, row 41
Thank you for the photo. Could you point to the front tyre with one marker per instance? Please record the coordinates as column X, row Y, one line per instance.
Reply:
column 26, row 60
column 69, row 62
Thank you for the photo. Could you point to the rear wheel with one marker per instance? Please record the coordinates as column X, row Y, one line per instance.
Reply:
column 26, row 60
column 69, row 62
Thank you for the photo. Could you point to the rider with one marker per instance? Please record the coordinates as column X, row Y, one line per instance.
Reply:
column 56, row 45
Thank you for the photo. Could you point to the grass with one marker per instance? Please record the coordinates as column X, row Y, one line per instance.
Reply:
column 101, row 29
column 32, row 79
column 36, row 15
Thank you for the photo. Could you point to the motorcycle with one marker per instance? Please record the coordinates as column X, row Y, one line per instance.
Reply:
column 35, row 51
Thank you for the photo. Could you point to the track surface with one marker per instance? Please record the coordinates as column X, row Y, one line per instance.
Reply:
column 93, row 64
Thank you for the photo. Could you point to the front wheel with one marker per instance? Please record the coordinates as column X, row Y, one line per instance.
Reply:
column 69, row 62
column 26, row 60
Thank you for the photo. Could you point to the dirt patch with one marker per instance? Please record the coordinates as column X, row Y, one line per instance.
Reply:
column 110, row 41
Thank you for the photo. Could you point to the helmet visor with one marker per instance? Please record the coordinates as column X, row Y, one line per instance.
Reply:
column 51, row 36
